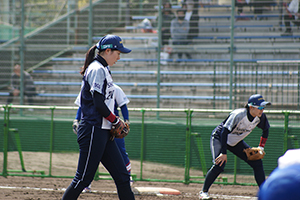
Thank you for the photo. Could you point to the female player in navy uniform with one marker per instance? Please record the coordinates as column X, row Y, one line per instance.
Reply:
column 121, row 101
column 229, row 135
column 97, row 105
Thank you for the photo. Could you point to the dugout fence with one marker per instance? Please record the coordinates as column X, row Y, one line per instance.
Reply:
column 166, row 145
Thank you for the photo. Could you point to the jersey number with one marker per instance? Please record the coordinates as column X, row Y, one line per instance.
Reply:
column 110, row 95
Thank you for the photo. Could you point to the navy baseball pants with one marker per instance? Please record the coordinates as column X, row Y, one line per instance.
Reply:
column 95, row 146
column 121, row 144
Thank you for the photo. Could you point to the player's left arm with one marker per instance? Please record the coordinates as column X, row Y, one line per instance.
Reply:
column 265, row 126
column 125, row 112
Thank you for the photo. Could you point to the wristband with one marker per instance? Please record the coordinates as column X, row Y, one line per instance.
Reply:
column 111, row 117
column 262, row 142
column 116, row 121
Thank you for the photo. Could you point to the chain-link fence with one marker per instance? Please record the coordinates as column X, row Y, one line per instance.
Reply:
column 49, row 40
column 42, row 143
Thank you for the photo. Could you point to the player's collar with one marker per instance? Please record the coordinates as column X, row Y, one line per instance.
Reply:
column 250, row 117
column 101, row 60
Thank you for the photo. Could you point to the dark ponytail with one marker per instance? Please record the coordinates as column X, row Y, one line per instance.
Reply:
column 89, row 57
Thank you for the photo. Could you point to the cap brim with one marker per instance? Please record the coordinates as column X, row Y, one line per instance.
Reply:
column 124, row 50
column 265, row 103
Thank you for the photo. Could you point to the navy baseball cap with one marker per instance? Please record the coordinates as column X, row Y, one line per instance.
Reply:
column 257, row 100
column 112, row 42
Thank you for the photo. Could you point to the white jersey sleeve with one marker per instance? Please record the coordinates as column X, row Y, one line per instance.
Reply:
column 96, row 74
column 77, row 101
column 120, row 97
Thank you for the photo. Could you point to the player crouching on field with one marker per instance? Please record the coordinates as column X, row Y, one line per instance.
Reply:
column 229, row 135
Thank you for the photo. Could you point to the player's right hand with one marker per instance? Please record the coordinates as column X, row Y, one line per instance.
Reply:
column 221, row 159
column 75, row 126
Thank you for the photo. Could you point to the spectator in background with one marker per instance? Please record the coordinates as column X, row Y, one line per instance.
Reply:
column 146, row 26
column 167, row 16
column 191, row 15
column 240, row 4
column 292, row 15
column 260, row 6
column 203, row 3
column 179, row 31
column 29, row 88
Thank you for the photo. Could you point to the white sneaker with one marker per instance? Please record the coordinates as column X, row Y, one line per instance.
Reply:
column 204, row 195
column 87, row 190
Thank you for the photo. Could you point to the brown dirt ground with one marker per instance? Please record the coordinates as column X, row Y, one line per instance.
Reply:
column 37, row 188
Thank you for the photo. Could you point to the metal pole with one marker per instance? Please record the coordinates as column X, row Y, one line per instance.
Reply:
column 14, row 29
column 142, row 143
column 127, row 13
column 298, row 103
column 19, row 147
column 5, row 139
column 235, row 170
column 22, row 49
column 90, row 24
column 51, row 139
column 141, row 7
column 120, row 12
column 187, row 147
column 286, row 131
column 231, row 52
column 201, row 152
column 281, row 11
column 68, row 22
column 158, row 54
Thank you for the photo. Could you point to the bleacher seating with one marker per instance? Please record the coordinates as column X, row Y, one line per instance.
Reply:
column 202, row 81
column 176, row 85
column 228, row 17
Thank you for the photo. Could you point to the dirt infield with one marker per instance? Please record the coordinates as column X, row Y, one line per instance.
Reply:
column 29, row 188
column 36, row 188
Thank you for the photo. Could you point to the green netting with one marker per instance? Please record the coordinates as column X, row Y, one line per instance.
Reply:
column 172, row 142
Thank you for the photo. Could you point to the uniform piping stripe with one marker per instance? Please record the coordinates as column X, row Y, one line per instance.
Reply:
column 87, row 160
column 213, row 149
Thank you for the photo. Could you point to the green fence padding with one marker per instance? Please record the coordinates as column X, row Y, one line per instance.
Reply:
column 164, row 141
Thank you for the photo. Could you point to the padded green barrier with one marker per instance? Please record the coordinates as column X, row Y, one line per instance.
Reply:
column 164, row 141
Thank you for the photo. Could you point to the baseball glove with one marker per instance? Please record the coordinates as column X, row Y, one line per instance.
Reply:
column 120, row 129
column 254, row 153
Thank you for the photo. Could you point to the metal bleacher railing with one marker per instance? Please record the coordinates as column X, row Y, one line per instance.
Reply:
column 274, row 81
column 271, row 85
